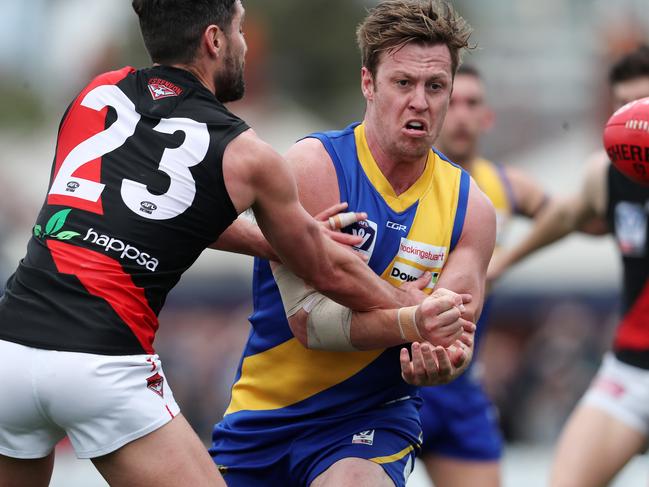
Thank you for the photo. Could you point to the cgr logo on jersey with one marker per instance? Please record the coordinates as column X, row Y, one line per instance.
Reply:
column 367, row 230
column 161, row 88
column 396, row 226
column 127, row 251
column 406, row 273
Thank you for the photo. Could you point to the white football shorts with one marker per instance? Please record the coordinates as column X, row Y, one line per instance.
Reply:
column 622, row 391
column 101, row 402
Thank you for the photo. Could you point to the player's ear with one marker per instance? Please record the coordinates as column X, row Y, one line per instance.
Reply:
column 367, row 83
column 214, row 40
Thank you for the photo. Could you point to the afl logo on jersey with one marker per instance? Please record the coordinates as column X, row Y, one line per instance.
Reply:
column 367, row 230
column 148, row 207
column 72, row 186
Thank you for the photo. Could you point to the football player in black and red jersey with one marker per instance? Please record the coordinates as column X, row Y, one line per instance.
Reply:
column 150, row 168
column 611, row 423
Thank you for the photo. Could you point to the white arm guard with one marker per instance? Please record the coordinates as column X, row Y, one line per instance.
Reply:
column 295, row 293
column 328, row 323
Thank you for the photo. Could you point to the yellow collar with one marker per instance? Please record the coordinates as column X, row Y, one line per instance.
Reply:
column 406, row 199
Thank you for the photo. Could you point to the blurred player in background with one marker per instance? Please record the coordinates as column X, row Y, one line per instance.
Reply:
column 462, row 443
column 611, row 423
column 150, row 168
column 319, row 399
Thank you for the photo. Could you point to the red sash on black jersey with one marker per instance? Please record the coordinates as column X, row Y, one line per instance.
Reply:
column 136, row 193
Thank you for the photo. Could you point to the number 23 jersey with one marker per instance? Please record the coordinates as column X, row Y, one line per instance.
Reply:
column 136, row 193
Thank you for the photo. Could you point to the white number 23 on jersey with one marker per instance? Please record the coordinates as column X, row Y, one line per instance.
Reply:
column 174, row 162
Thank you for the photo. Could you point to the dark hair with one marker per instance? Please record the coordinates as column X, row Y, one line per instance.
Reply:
column 633, row 65
column 394, row 23
column 469, row 70
column 172, row 29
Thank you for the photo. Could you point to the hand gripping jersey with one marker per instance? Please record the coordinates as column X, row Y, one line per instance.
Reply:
column 628, row 214
column 279, row 382
column 136, row 193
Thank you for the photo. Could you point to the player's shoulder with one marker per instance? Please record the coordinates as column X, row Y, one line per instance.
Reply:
column 112, row 77
column 249, row 147
column 309, row 150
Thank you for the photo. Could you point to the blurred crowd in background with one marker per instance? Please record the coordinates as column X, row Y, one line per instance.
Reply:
column 545, row 65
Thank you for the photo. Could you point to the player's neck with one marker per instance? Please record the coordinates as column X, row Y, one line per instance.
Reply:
column 200, row 74
column 400, row 172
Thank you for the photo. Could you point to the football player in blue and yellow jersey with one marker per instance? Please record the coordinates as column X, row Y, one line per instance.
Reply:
column 320, row 399
column 463, row 450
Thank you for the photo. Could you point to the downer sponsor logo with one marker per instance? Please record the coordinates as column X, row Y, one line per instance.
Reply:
column 421, row 253
column 406, row 273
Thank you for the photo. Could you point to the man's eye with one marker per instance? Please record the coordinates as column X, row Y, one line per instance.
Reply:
column 403, row 82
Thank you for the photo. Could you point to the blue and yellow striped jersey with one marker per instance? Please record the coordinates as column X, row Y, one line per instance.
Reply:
column 279, row 380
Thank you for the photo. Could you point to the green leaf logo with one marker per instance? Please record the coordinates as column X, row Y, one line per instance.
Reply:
column 37, row 231
column 67, row 235
column 56, row 222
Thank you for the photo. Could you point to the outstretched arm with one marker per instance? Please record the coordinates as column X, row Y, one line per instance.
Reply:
column 583, row 211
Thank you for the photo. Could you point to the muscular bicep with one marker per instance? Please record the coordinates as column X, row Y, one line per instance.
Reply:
column 257, row 176
column 466, row 268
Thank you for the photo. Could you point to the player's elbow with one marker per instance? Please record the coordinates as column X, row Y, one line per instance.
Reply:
column 298, row 325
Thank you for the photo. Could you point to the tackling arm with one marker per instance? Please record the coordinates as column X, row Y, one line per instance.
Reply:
column 256, row 176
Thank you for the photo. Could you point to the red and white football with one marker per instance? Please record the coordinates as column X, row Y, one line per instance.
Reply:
column 626, row 140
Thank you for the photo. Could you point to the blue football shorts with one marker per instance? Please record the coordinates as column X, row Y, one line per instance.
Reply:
column 294, row 455
column 459, row 421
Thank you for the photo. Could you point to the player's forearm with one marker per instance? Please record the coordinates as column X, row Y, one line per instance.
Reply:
column 244, row 237
column 558, row 220
column 371, row 330
column 350, row 282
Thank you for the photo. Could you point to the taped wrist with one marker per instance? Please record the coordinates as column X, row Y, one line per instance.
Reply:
column 406, row 319
column 295, row 293
column 328, row 323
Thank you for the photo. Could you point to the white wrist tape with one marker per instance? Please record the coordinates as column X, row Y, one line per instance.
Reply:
column 295, row 293
column 328, row 323
column 406, row 319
